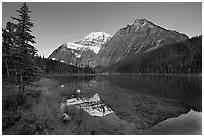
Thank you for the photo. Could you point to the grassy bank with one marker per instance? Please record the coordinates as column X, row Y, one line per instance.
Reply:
column 36, row 111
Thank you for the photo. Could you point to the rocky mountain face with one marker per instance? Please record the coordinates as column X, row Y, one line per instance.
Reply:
column 100, row 50
column 140, row 37
column 81, row 52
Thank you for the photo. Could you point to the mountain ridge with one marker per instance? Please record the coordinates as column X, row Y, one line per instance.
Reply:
column 138, row 37
column 80, row 51
column 99, row 49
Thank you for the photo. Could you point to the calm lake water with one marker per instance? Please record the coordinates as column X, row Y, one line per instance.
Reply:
column 133, row 104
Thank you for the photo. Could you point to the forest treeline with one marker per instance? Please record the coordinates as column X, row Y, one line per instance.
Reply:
column 53, row 66
column 179, row 58
column 18, row 52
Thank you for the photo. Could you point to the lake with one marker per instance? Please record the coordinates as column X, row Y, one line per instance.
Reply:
column 133, row 104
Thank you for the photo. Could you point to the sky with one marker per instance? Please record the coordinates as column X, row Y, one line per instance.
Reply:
column 58, row 23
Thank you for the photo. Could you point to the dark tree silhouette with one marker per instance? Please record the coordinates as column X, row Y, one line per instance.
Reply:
column 25, row 67
column 7, row 47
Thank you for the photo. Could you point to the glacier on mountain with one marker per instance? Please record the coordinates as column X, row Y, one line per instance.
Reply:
column 83, row 50
column 92, row 41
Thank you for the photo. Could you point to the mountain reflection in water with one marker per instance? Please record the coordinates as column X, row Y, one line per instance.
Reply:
column 92, row 105
column 140, row 102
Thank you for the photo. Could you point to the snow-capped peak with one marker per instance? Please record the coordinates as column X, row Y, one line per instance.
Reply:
column 92, row 41
column 97, row 35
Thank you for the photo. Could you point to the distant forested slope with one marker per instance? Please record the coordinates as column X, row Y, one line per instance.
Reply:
column 178, row 58
column 53, row 66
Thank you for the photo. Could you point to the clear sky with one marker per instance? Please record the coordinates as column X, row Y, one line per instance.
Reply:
column 57, row 23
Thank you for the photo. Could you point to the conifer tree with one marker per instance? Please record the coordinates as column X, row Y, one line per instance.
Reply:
column 7, row 47
column 26, row 70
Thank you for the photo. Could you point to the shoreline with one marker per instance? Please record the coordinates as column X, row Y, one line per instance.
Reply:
column 65, row 75
column 149, row 74
column 95, row 74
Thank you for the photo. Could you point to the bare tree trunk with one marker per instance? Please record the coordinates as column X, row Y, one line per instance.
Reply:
column 21, row 83
column 7, row 69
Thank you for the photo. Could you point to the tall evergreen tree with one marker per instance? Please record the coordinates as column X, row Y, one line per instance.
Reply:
column 7, row 47
column 26, row 70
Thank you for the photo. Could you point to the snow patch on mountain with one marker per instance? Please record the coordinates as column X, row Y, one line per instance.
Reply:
column 97, row 36
column 74, row 46
column 94, row 48
column 92, row 41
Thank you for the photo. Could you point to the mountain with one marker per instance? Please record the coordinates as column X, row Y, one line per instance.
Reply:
column 184, row 57
column 140, row 37
column 141, row 47
column 81, row 52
